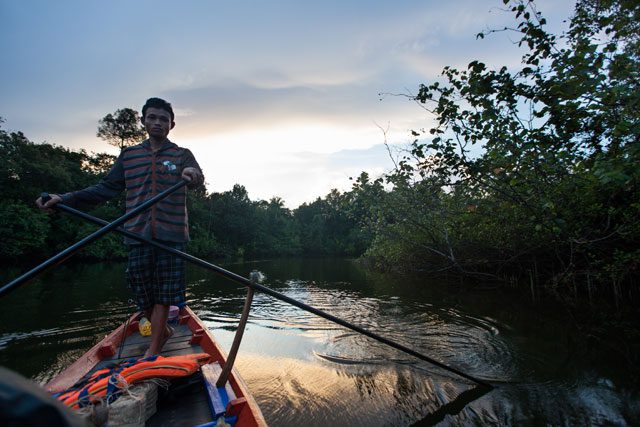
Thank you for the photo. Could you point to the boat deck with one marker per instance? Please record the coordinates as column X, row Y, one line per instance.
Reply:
column 135, row 345
column 192, row 407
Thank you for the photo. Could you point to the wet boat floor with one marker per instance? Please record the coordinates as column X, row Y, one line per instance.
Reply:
column 185, row 402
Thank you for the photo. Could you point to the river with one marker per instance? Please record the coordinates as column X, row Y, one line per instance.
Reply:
column 304, row 370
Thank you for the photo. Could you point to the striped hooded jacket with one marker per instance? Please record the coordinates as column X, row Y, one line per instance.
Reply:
column 144, row 174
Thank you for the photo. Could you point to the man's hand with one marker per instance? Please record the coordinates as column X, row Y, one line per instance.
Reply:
column 192, row 175
column 48, row 206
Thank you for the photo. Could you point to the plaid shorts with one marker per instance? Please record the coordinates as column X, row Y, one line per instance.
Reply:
column 155, row 276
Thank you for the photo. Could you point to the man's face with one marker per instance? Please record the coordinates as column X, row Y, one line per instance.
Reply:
column 158, row 123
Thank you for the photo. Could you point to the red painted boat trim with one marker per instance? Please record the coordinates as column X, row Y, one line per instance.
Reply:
column 210, row 345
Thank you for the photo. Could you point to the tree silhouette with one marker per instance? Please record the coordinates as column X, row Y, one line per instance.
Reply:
column 122, row 128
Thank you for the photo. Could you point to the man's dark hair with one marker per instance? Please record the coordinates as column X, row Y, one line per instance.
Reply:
column 157, row 103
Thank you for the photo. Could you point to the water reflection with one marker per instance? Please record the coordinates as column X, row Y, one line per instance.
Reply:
column 306, row 370
column 487, row 336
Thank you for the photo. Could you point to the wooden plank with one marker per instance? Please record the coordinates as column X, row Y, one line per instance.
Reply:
column 219, row 397
column 179, row 332
column 137, row 351
column 135, row 345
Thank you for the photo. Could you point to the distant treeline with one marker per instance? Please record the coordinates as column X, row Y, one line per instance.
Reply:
column 530, row 176
column 226, row 224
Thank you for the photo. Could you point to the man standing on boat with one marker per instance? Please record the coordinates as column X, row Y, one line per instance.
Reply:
column 156, row 278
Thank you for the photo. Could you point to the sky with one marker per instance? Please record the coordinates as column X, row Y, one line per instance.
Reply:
column 287, row 98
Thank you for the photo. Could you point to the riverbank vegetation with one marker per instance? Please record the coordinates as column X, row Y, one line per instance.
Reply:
column 529, row 177
column 531, row 173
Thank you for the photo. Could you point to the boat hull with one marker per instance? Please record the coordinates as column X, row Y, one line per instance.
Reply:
column 190, row 336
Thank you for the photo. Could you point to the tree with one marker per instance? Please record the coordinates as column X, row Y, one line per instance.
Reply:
column 538, row 163
column 23, row 231
column 122, row 128
column 27, row 170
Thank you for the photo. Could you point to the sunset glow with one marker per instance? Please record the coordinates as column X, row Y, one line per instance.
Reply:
column 283, row 98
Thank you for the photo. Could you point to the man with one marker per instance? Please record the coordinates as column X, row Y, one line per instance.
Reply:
column 156, row 278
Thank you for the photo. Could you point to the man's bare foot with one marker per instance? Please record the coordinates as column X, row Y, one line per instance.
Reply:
column 168, row 332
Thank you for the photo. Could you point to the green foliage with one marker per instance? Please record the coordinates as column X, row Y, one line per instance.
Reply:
column 23, row 230
column 328, row 227
column 108, row 247
column 27, row 168
column 531, row 170
column 276, row 231
column 122, row 128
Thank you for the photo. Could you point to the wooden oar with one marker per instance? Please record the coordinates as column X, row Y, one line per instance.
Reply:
column 258, row 287
column 71, row 250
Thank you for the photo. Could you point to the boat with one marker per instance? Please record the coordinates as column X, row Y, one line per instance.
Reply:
column 188, row 401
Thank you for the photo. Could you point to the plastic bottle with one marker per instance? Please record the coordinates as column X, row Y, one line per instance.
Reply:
column 145, row 327
column 173, row 315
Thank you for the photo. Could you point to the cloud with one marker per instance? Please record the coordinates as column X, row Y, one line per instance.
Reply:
column 281, row 96
column 233, row 106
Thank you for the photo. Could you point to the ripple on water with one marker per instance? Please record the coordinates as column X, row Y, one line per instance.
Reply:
column 305, row 370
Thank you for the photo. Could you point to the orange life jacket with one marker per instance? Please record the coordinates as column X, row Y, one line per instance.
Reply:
column 109, row 382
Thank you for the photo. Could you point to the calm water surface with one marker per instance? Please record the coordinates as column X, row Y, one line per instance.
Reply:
column 304, row 370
